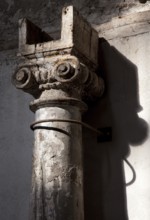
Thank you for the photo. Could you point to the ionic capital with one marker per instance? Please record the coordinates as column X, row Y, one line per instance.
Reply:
column 60, row 68
column 64, row 73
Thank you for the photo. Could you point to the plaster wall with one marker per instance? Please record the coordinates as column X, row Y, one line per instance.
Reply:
column 137, row 51
column 124, row 107
column 15, row 145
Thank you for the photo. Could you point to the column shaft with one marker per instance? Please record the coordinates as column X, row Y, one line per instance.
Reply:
column 57, row 179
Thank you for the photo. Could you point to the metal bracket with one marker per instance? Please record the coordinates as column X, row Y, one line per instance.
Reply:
column 106, row 135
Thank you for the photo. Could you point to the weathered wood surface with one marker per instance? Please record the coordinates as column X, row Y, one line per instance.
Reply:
column 74, row 31
column 127, row 25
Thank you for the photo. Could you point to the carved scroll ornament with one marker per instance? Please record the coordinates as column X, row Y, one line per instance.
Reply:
column 65, row 73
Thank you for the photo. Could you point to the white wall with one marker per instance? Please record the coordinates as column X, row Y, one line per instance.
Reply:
column 125, row 108
column 137, row 50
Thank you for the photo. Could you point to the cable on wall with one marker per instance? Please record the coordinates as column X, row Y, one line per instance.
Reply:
column 133, row 172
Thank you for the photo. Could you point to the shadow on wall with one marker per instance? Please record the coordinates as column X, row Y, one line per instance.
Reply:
column 105, row 188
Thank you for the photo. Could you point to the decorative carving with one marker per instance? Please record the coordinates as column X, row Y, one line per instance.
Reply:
column 59, row 74
column 65, row 73
column 24, row 79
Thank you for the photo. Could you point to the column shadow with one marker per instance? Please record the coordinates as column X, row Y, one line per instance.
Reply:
column 104, row 178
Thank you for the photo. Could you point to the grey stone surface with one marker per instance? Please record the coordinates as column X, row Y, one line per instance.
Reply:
column 57, row 181
column 125, row 66
column 58, row 80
